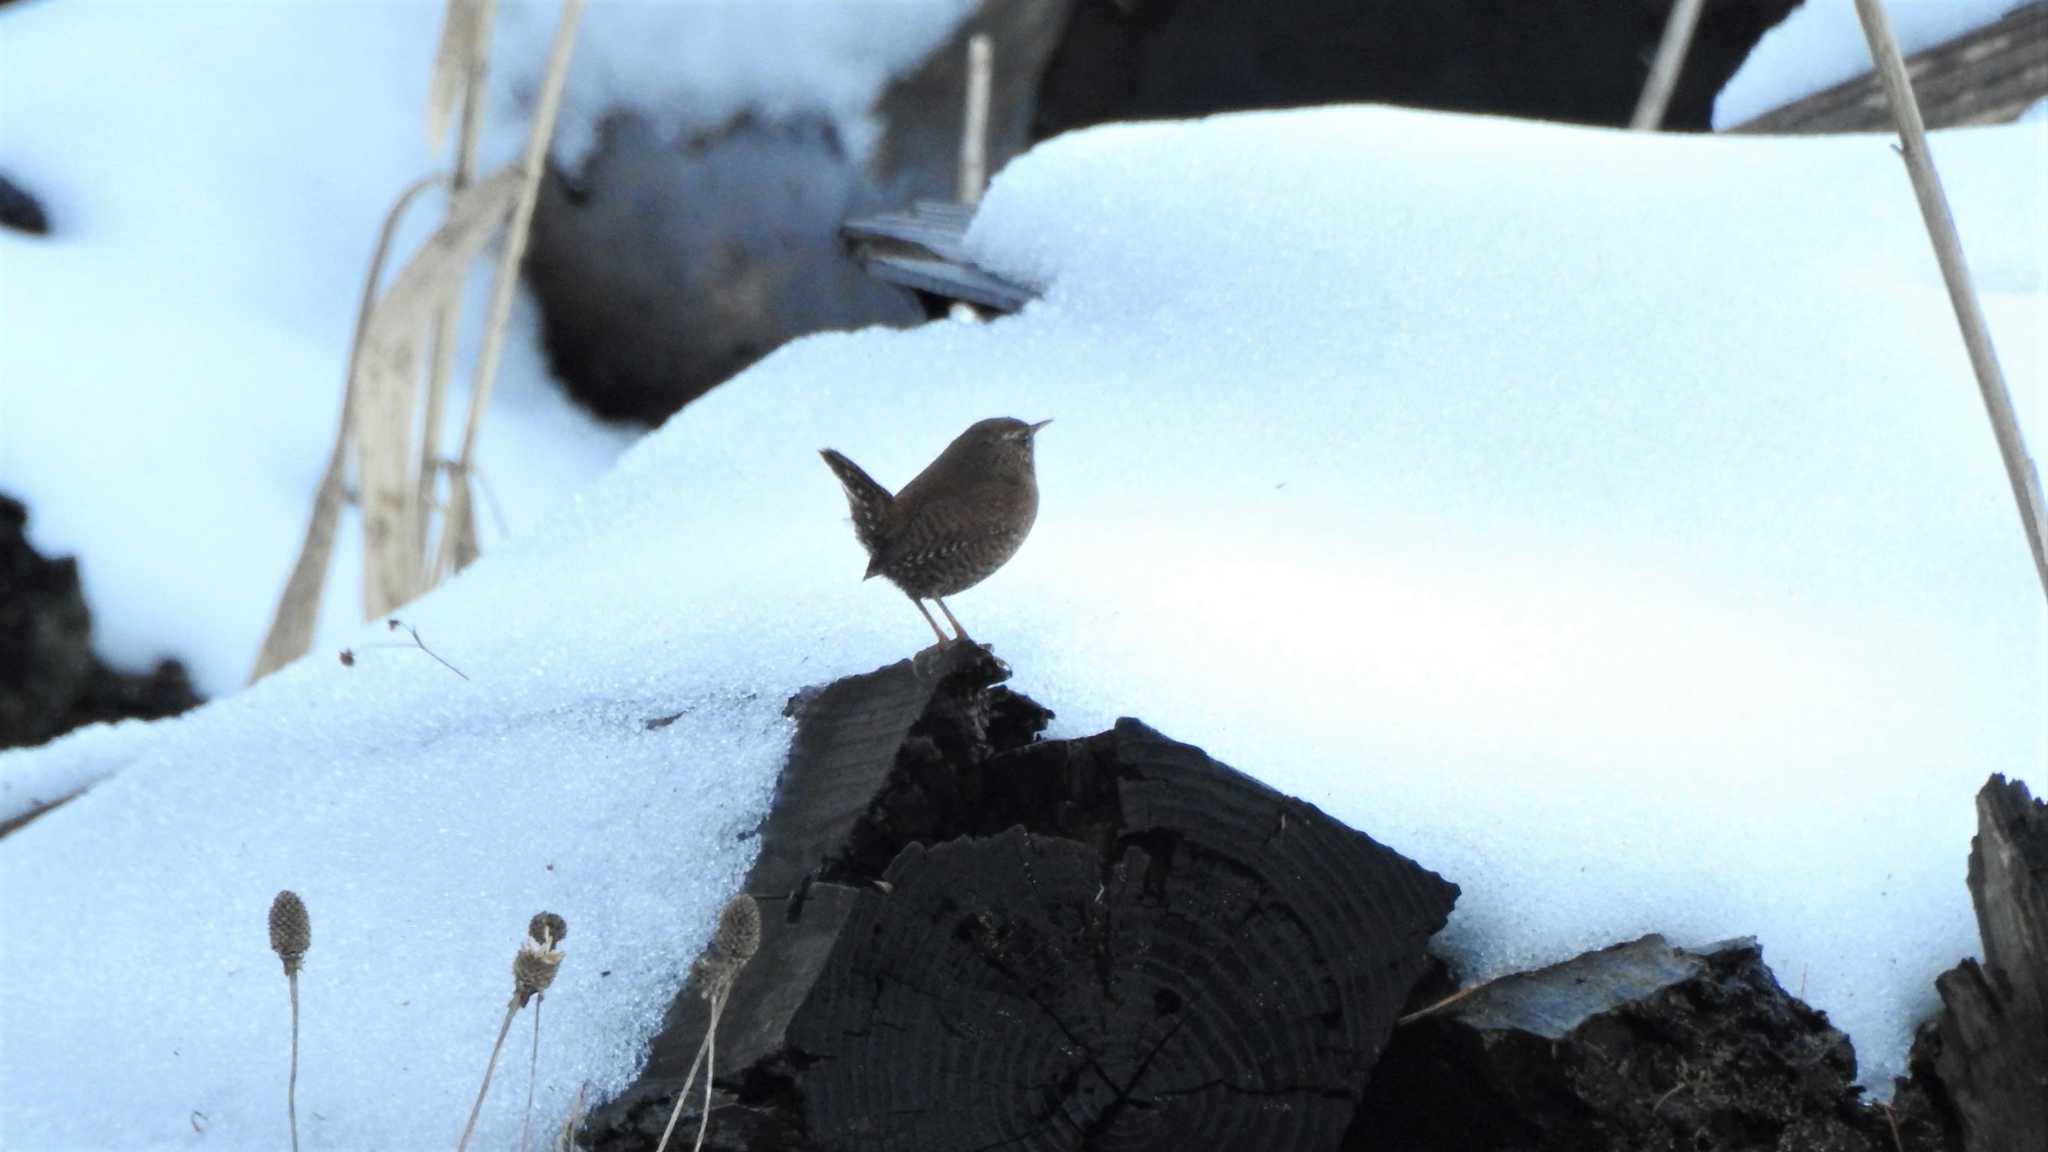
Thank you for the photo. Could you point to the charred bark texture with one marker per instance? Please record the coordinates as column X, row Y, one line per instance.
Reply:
column 1640, row 1047
column 1991, row 1040
column 978, row 940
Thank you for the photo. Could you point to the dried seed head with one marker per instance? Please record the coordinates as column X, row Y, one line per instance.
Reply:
column 739, row 930
column 291, row 930
column 533, row 969
column 734, row 943
column 547, row 928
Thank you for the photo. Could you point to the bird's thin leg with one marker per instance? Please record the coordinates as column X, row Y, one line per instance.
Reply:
column 936, row 630
column 949, row 617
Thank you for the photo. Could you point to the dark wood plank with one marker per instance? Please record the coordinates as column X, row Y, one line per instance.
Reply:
column 1988, row 76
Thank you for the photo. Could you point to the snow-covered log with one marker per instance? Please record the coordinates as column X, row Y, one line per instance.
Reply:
column 976, row 938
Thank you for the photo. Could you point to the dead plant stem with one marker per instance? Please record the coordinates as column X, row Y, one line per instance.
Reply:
column 447, row 323
column 458, row 532
column 532, row 1073
column 1955, row 273
column 298, row 609
column 291, row 1088
column 511, row 1010
column 1665, row 67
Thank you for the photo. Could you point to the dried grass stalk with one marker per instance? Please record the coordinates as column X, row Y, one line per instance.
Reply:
column 1663, row 79
column 533, row 970
column 532, row 1078
column 462, row 32
column 469, row 1129
column 291, row 627
column 458, row 530
column 469, row 25
column 736, row 940
column 1955, row 273
column 384, row 388
column 974, row 124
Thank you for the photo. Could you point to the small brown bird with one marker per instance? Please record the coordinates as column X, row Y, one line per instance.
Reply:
column 962, row 518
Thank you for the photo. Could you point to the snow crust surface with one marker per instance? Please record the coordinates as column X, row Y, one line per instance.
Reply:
column 1608, row 522
column 1822, row 44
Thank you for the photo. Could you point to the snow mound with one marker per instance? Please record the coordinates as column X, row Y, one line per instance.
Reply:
column 1608, row 522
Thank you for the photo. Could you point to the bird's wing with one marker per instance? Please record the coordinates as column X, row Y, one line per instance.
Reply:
column 939, row 526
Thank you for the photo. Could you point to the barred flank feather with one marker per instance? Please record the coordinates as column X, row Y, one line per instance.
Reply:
column 869, row 501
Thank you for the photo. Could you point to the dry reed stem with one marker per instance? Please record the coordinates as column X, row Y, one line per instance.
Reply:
column 471, row 22
column 387, row 381
column 1955, row 273
column 458, row 528
column 511, row 1009
column 298, row 609
column 291, row 1087
column 532, row 1074
column 710, row 1066
column 460, row 32
column 683, row 1094
column 1664, row 68
column 974, row 124
column 734, row 942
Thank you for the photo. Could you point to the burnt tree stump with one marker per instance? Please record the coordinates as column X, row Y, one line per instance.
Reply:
column 1641, row 1047
column 1991, row 1040
column 974, row 938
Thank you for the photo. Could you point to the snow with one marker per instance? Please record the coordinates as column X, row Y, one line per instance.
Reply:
column 1608, row 522
column 204, row 281
column 1822, row 44
column 691, row 67
column 57, row 773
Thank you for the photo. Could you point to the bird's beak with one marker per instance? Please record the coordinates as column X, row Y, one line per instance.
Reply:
column 1037, row 426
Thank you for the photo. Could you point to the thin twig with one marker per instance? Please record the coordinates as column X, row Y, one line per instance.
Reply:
column 1446, row 1002
column 394, row 624
column 483, row 482
column 683, row 1094
column 511, row 1010
column 710, row 1068
column 458, row 526
column 1955, row 273
column 291, row 1088
column 1675, row 1090
column 1892, row 1117
column 532, row 1074
column 1664, row 68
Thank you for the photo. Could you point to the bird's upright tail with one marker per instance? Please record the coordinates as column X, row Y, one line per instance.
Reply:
column 869, row 501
